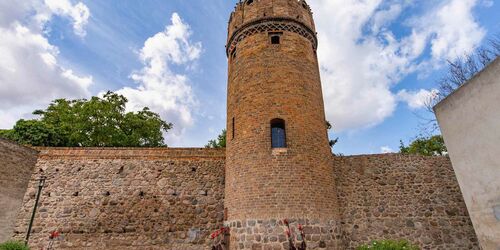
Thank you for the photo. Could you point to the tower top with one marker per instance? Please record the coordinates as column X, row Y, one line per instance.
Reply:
column 249, row 15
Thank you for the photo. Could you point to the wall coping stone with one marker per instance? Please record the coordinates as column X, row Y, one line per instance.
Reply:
column 129, row 153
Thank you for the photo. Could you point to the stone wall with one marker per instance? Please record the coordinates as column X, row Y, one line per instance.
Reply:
column 173, row 199
column 126, row 198
column 395, row 196
column 16, row 165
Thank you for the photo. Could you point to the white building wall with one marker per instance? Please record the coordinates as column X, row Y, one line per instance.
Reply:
column 470, row 123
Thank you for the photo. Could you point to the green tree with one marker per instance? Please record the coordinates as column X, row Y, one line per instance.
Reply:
column 98, row 122
column 428, row 146
column 6, row 133
column 331, row 142
column 220, row 142
column 36, row 133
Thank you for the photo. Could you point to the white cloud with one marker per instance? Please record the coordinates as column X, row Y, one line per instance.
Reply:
column 362, row 60
column 384, row 16
column 451, row 29
column 161, row 89
column 30, row 73
column 417, row 99
column 78, row 13
column 386, row 150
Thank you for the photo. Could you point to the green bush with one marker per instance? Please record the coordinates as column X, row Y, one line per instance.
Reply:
column 13, row 245
column 389, row 245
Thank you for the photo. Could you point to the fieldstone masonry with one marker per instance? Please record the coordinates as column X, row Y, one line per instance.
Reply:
column 173, row 199
column 394, row 196
column 126, row 198
column 269, row 234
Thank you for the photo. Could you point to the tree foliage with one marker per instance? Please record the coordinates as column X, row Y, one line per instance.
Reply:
column 428, row 146
column 98, row 122
column 331, row 142
column 220, row 142
column 388, row 245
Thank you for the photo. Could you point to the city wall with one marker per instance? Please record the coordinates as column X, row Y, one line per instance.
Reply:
column 394, row 196
column 126, row 198
column 173, row 199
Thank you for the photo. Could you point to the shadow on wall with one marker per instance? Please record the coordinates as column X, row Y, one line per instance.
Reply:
column 16, row 165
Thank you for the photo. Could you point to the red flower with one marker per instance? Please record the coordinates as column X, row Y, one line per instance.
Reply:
column 285, row 221
column 300, row 227
column 54, row 235
column 212, row 236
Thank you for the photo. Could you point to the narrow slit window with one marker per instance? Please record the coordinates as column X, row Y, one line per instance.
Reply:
column 278, row 133
column 232, row 129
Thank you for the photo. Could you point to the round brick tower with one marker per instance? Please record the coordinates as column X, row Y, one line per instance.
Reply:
column 278, row 161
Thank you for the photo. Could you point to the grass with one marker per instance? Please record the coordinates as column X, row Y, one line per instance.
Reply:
column 13, row 245
column 389, row 245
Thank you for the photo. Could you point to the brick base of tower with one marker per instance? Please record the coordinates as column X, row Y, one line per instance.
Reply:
column 271, row 234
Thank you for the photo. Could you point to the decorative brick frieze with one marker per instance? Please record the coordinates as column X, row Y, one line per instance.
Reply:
column 273, row 24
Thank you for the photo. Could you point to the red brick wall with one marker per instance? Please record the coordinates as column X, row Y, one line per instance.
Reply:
column 268, row 81
column 276, row 81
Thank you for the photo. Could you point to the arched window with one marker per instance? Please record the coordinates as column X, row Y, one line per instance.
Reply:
column 249, row 2
column 278, row 133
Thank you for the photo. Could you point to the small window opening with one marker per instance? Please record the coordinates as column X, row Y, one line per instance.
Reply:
column 249, row 2
column 278, row 133
column 304, row 4
column 275, row 37
column 232, row 129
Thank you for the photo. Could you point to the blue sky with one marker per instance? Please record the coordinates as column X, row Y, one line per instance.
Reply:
column 379, row 60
